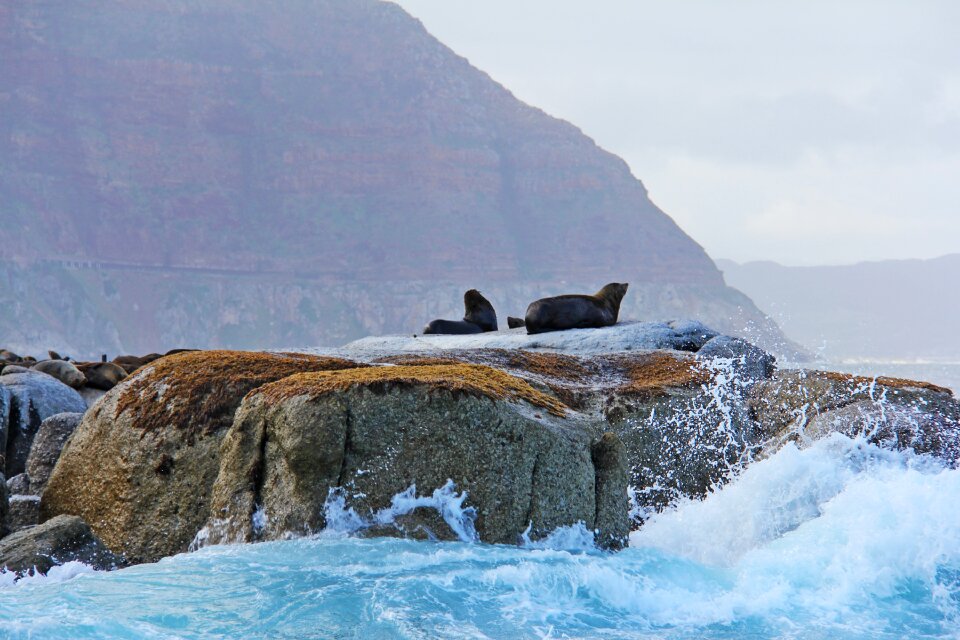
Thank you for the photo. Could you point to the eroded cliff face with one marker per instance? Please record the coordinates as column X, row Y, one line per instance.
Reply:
column 240, row 170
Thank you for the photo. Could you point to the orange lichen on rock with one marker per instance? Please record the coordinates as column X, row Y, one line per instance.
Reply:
column 462, row 378
column 414, row 360
column 653, row 373
column 198, row 391
column 885, row 381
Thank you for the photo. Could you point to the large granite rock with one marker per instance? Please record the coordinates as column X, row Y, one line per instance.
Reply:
column 47, row 445
column 33, row 397
column 59, row 540
column 525, row 462
column 141, row 465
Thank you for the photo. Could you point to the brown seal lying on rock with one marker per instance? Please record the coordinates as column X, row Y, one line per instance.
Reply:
column 479, row 317
column 132, row 363
column 576, row 311
column 63, row 371
column 102, row 375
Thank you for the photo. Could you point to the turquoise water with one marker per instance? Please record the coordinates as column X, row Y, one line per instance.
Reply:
column 842, row 540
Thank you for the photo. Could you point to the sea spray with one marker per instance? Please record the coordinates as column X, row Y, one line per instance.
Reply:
column 839, row 540
column 343, row 519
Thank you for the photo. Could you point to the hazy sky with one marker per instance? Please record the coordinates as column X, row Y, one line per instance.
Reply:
column 804, row 132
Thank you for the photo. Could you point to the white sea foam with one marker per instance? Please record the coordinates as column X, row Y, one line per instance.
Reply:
column 343, row 519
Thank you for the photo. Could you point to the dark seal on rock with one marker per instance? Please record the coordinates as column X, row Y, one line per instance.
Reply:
column 102, row 375
column 576, row 311
column 479, row 317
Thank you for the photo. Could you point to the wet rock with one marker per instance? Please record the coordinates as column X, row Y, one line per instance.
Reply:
column 24, row 512
column 59, row 540
column 522, row 458
column 19, row 483
column 749, row 362
column 690, row 335
column 804, row 406
column 47, row 445
column 140, row 466
column 34, row 397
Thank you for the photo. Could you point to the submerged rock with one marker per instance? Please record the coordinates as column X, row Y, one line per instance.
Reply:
column 368, row 436
column 140, row 466
column 59, row 540
column 34, row 397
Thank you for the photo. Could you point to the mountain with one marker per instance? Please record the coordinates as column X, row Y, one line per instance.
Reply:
column 245, row 174
column 888, row 310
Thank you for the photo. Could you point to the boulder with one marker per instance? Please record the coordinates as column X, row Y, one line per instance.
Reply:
column 690, row 335
column 63, row 371
column 23, row 512
column 140, row 466
column 34, row 397
column 47, row 444
column 19, row 484
column 4, row 505
column 804, row 406
column 59, row 540
column 750, row 363
column 386, row 439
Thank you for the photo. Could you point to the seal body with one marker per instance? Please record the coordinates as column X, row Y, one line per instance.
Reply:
column 103, row 375
column 451, row 327
column 576, row 311
column 479, row 316
column 62, row 371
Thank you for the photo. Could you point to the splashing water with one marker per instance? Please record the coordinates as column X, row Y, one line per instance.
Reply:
column 839, row 540
column 342, row 519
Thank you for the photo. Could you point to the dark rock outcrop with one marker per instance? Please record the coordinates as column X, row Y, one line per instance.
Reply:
column 749, row 362
column 58, row 541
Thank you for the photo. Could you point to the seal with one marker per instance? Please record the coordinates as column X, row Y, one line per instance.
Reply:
column 479, row 317
column 102, row 375
column 132, row 363
column 63, row 371
column 576, row 311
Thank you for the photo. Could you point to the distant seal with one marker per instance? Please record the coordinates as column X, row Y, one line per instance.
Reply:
column 9, row 356
column 479, row 317
column 132, row 363
column 63, row 371
column 576, row 311
column 514, row 323
column 102, row 375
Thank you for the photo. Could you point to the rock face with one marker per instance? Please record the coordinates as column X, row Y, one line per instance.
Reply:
column 57, row 541
column 141, row 465
column 374, row 433
column 47, row 445
column 33, row 397
column 349, row 169
column 802, row 406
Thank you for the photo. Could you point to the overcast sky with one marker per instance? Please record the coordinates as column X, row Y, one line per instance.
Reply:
column 803, row 132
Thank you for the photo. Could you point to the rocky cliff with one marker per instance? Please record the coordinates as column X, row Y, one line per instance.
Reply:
column 229, row 173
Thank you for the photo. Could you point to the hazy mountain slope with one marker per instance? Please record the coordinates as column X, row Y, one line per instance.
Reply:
column 198, row 153
column 898, row 309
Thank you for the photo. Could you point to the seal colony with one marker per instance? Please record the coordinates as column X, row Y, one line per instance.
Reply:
column 570, row 311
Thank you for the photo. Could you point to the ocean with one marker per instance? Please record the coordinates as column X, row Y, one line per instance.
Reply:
column 839, row 540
